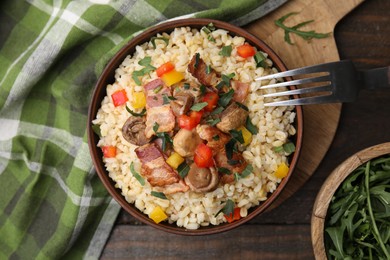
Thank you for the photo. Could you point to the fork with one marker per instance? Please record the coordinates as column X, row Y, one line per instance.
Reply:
column 334, row 82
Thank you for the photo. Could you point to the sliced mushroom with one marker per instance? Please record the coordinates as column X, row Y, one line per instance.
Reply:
column 202, row 179
column 232, row 117
column 134, row 131
column 182, row 103
column 185, row 142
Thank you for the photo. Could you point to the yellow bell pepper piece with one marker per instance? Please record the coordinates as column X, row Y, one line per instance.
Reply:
column 281, row 171
column 139, row 100
column 246, row 135
column 172, row 77
column 158, row 215
column 175, row 160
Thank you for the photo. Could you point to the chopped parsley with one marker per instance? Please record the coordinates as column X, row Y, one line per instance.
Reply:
column 237, row 135
column 154, row 39
column 199, row 106
column 287, row 148
column 197, row 57
column 147, row 68
column 224, row 170
column 136, row 174
column 213, row 121
column 226, row 51
column 96, row 130
column 245, row 173
column 260, row 60
column 208, row 29
column 142, row 113
column 160, row 195
column 208, row 69
column 183, row 170
column 225, row 98
column 227, row 209
column 250, row 126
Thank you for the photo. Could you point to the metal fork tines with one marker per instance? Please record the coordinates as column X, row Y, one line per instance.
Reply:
column 319, row 82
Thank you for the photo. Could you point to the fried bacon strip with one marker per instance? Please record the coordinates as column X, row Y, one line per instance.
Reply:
column 158, row 173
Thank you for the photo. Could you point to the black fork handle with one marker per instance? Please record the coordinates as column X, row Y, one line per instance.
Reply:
column 376, row 78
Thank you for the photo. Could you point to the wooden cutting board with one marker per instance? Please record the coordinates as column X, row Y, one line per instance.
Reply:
column 320, row 121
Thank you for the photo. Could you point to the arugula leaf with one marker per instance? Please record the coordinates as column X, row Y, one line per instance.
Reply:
column 357, row 224
column 306, row 35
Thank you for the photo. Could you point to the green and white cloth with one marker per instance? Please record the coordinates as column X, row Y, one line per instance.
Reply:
column 52, row 203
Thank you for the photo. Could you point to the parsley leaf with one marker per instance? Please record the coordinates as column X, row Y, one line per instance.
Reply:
column 154, row 39
column 183, row 170
column 147, row 68
column 160, row 195
column 96, row 130
column 142, row 113
column 136, row 174
column 225, row 98
column 199, row 106
column 226, row 51
column 227, row 209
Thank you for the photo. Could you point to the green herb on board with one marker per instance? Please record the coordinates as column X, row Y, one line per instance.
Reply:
column 306, row 35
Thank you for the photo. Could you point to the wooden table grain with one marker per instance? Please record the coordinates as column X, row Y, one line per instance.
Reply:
column 284, row 233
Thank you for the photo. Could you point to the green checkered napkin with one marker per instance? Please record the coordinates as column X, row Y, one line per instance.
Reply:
column 52, row 203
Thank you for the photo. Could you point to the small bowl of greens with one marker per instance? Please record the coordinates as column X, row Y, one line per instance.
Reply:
column 351, row 214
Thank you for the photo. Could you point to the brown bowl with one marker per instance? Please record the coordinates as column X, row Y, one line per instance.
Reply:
column 107, row 77
column 330, row 186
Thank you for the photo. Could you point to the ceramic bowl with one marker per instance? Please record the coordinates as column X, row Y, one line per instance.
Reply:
column 107, row 77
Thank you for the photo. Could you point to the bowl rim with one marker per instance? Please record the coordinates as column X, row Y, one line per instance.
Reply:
column 108, row 76
column 330, row 186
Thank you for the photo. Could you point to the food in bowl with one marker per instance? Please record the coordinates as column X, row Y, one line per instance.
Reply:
column 358, row 219
column 184, row 131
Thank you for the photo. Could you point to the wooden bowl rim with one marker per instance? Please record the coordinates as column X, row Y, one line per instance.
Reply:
column 330, row 186
column 107, row 77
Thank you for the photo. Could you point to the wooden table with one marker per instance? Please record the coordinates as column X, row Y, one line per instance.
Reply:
column 284, row 233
